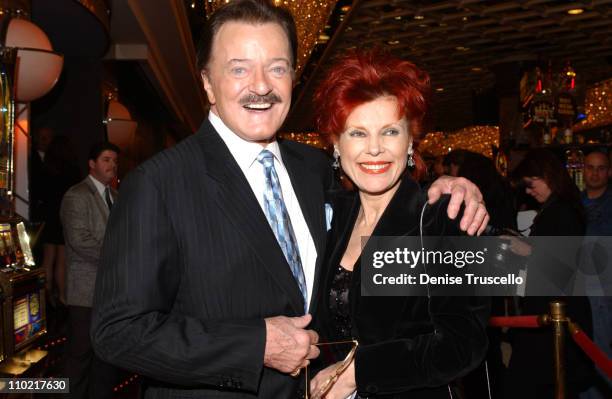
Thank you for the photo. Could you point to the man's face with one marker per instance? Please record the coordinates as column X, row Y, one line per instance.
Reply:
column 596, row 171
column 104, row 168
column 249, row 77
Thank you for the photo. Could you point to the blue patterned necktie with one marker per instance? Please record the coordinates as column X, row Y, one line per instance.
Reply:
column 279, row 220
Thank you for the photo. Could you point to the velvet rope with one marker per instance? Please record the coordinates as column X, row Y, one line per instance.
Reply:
column 516, row 321
column 598, row 357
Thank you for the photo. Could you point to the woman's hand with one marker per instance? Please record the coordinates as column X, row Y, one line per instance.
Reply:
column 343, row 387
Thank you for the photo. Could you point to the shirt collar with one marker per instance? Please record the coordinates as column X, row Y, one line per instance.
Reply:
column 244, row 152
column 99, row 186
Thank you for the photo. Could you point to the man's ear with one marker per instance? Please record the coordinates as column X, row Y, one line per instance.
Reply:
column 207, row 87
column 91, row 164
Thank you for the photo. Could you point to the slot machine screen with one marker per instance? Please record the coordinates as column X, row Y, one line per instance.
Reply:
column 28, row 320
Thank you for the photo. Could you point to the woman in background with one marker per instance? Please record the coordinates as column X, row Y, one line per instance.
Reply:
column 560, row 213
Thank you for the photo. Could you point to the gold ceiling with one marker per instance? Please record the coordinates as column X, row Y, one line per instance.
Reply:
column 460, row 43
column 480, row 139
column 598, row 106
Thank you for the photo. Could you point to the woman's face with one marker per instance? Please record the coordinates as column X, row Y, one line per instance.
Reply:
column 537, row 188
column 374, row 145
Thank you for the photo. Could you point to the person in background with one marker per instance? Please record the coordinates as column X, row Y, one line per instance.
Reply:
column 560, row 213
column 496, row 192
column 597, row 196
column 453, row 161
column 597, row 201
column 435, row 168
column 41, row 139
column 60, row 172
column 84, row 211
column 371, row 105
column 499, row 200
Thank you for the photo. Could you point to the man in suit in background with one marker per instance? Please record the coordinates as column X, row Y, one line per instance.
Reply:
column 84, row 213
column 212, row 254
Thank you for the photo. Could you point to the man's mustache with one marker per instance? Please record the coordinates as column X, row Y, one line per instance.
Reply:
column 271, row 98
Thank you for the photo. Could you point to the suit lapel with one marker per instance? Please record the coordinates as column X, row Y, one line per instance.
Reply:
column 100, row 204
column 309, row 192
column 236, row 199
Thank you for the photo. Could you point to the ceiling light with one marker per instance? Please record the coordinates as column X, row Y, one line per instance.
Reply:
column 34, row 50
column 393, row 42
column 575, row 11
column 476, row 69
column 345, row 8
column 461, row 48
column 440, row 89
column 398, row 18
column 419, row 17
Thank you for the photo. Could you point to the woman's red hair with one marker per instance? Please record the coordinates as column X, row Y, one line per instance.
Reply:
column 362, row 76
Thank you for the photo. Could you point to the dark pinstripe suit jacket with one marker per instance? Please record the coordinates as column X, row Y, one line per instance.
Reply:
column 190, row 268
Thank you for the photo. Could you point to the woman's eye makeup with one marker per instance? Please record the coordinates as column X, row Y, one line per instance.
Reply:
column 391, row 132
column 386, row 132
column 356, row 133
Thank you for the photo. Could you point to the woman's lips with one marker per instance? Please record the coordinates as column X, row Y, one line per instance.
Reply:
column 374, row 168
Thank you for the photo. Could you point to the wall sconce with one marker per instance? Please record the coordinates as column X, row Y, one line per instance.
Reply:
column 120, row 128
column 38, row 67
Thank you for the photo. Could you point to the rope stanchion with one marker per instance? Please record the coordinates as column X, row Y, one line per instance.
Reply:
column 558, row 319
column 519, row 321
column 601, row 360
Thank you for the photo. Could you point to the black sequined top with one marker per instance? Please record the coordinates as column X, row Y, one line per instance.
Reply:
column 340, row 310
column 339, row 306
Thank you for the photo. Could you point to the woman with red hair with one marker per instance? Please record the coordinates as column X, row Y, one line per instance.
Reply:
column 370, row 106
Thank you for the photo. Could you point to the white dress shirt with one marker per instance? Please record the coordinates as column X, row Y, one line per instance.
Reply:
column 100, row 187
column 245, row 153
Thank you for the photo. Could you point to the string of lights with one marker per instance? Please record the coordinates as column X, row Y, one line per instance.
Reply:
column 478, row 139
column 598, row 106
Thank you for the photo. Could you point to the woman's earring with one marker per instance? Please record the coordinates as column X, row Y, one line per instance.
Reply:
column 411, row 162
column 336, row 163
